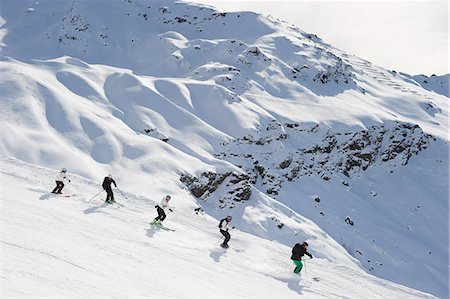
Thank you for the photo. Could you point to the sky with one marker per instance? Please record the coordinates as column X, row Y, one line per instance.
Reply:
column 406, row 36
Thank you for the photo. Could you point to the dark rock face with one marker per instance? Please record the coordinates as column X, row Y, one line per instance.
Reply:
column 238, row 186
column 208, row 182
column 308, row 150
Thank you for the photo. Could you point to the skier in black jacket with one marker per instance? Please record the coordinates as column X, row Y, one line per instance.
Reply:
column 298, row 251
column 107, row 187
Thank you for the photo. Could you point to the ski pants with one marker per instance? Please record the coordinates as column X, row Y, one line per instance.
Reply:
column 226, row 235
column 59, row 187
column 298, row 265
column 109, row 194
column 161, row 214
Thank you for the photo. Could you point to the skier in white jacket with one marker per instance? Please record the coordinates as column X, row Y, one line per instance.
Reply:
column 60, row 177
column 224, row 228
column 161, row 208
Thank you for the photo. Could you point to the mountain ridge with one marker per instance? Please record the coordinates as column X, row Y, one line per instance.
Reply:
column 97, row 106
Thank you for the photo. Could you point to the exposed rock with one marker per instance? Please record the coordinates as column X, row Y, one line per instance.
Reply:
column 239, row 186
column 286, row 163
column 335, row 154
column 349, row 221
column 315, row 197
column 209, row 181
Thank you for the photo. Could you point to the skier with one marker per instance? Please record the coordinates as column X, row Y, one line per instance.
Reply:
column 60, row 177
column 161, row 210
column 223, row 226
column 107, row 187
column 297, row 252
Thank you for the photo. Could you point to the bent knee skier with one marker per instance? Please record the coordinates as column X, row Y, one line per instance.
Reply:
column 224, row 228
column 60, row 177
column 298, row 251
column 164, row 205
column 107, row 187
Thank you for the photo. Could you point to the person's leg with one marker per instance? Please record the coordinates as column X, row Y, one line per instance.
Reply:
column 160, row 213
column 60, row 187
column 56, row 188
column 224, row 233
column 227, row 237
column 108, row 194
column 298, row 267
column 163, row 216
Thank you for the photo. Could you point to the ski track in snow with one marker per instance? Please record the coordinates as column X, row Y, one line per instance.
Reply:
column 59, row 250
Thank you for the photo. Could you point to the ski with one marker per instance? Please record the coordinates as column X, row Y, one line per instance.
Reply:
column 238, row 249
column 234, row 249
column 62, row 195
column 161, row 226
column 115, row 203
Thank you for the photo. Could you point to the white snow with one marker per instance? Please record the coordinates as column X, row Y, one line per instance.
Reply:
column 153, row 90
column 77, row 247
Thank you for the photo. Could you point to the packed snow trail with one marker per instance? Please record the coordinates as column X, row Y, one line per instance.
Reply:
column 58, row 246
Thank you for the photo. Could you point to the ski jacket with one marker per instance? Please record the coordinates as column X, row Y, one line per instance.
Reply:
column 298, row 251
column 61, row 176
column 107, row 183
column 164, row 204
column 223, row 224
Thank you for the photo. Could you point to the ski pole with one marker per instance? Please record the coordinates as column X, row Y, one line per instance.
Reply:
column 95, row 195
column 306, row 273
column 122, row 193
column 219, row 240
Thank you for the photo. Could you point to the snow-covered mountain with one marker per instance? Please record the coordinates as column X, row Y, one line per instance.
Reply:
column 233, row 113
column 438, row 84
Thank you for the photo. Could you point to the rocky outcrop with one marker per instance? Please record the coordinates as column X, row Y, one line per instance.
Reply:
column 278, row 153
column 237, row 187
column 304, row 150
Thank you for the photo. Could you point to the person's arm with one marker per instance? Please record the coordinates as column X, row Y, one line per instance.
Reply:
column 114, row 182
column 168, row 206
column 224, row 225
column 309, row 254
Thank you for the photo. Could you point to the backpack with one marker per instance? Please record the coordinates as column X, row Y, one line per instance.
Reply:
column 220, row 223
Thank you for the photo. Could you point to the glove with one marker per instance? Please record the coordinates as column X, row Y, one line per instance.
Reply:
column 171, row 210
column 69, row 181
column 233, row 227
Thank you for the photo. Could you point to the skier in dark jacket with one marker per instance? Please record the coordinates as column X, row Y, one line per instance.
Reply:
column 298, row 251
column 107, row 187
column 224, row 228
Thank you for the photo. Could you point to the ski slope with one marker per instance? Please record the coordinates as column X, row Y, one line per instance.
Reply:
column 152, row 92
column 76, row 247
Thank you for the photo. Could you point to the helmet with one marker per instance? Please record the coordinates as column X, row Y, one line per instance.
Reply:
column 168, row 197
column 229, row 218
column 110, row 176
column 63, row 170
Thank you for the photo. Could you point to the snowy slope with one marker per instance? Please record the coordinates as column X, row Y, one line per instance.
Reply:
column 255, row 117
column 438, row 84
column 82, row 248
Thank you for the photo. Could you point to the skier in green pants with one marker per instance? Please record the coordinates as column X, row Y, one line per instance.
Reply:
column 297, row 252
